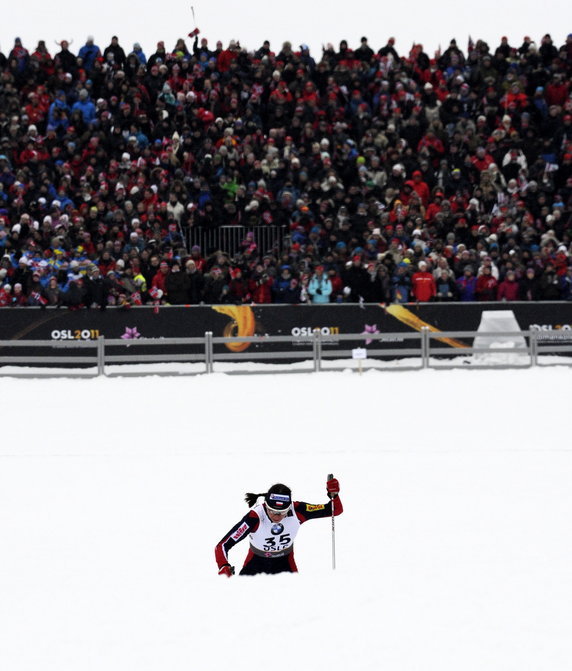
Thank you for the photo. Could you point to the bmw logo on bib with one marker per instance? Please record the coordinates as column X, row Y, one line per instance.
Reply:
column 277, row 529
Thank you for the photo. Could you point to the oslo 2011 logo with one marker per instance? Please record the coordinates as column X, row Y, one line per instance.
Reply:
column 75, row 334
column 298, row 331
column 552, row 331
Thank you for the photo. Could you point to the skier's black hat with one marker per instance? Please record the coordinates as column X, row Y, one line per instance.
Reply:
column 278, row 498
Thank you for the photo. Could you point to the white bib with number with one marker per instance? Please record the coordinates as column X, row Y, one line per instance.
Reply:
column 274, row 536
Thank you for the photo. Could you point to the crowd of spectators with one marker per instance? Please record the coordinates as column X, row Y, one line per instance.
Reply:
column 395, row 177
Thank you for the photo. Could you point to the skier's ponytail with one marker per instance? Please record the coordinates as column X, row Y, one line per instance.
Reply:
column 251, row 498
column 278, row 488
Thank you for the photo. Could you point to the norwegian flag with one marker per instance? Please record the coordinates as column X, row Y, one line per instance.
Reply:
column 156, row 295
column 38, row 298
column 471, row 46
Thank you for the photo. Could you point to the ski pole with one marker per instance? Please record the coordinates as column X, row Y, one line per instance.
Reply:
column 331, row 477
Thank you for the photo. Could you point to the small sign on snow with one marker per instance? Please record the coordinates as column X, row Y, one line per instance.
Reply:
column 359, row 353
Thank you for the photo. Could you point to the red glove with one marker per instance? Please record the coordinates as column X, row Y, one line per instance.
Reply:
column 194, row 32
column 226, row 570
column 333, row 488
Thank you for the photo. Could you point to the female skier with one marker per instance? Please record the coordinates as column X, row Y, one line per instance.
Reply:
column 272, row 527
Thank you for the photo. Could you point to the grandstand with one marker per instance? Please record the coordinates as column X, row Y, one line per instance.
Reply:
column 209, row 173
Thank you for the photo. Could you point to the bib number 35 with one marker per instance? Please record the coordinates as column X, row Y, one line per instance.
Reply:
column 274, row 543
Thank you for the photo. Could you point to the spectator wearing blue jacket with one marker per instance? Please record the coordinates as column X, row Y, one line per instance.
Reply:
column 89, row 53
column 401, row 284
column 320, row 286
column 281, row 284
column 467, row 285
column 58, row 113
column 21, row 54
column 86, row 107
column 138, row 51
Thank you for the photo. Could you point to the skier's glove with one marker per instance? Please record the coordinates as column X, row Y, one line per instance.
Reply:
column 226, row 570
column 333, row 488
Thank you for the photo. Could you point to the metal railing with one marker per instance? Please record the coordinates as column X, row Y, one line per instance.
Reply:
column 321, row 352
column 233, row 239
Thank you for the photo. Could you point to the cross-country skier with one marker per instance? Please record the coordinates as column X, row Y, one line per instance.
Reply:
column 272, row 527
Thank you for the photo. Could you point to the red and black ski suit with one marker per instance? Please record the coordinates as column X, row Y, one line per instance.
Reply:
column 272, row 543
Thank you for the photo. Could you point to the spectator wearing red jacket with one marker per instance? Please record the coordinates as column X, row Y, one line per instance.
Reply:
column 238, row 290
column 557, row 91
column 423, row 284
column 487, row 285
column 432, row 144
column 420, row 187
column 197, row 257
column 482, row 159
column 281, row 94
column 19, row 298
column 509, row 288
column 261, row 288
column 515, row 98
column 227, row 56
column 160, row 276
column 5, row 295
column 435, row 205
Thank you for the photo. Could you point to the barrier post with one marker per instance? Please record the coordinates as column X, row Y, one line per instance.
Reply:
column 424, row 347
column 101, row 355
column 317, row 350
column 209, row 368
column 533, row 347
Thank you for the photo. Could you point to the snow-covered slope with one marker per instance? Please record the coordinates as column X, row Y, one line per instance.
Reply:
column 453, row 553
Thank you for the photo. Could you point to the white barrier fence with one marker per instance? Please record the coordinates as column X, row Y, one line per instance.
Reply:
column 191, row 356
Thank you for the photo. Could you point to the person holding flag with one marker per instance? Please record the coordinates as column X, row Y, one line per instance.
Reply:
column 271, row 527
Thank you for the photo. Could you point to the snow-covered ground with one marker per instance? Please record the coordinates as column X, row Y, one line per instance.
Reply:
column 454, row 552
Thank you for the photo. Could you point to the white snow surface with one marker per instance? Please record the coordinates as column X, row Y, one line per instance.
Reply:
column 454, row 552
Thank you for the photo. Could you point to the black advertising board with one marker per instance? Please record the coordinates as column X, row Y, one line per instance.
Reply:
column 52, row 324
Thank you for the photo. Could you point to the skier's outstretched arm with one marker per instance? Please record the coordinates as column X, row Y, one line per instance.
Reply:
column 239, row 532
column 309, row 511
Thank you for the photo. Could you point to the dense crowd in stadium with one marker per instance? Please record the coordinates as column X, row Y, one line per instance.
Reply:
column 393, row 177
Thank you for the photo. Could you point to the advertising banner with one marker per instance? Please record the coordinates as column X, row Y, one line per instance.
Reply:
column 551, row 319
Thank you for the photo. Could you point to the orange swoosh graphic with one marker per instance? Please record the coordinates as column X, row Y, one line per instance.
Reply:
column 242, row 324
column 407, row 317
